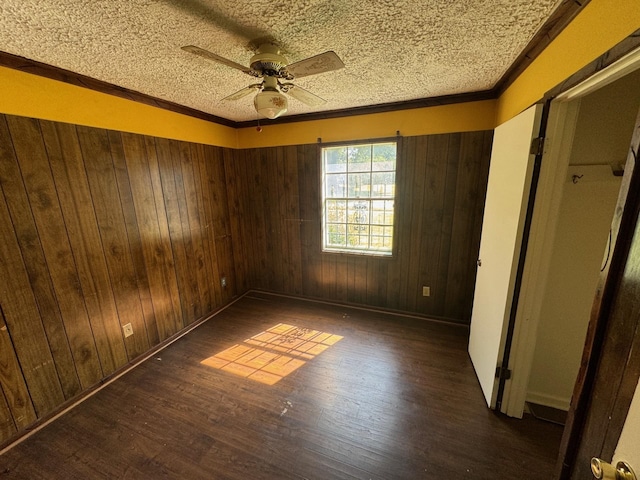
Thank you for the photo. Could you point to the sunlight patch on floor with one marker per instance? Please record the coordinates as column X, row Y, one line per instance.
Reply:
column 273, row 354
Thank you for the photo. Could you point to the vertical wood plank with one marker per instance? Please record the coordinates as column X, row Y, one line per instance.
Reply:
column 68, row 169
column 221, row 204
column 292, row 218
column 209, row 228
column 127, row 272
column 16, row 407
column 286, row 247
column 166, row 245
column 7, row 425
column 190, row 251
column 462, row 259
column 251, row 254
column 420, row 153
column 237, row 214
column 180, row 241
column 191, row 201
column 33, row 206
column 95, row 147
column 27, row 336
column 155, row 246
column 45, row 207
column 453, row 159
column 404, row 215
column 255, row 185
column 308, row 186
column 274, row 216
column 144, row 289
column 373, row 280
column 19, row 236
column 433, row 217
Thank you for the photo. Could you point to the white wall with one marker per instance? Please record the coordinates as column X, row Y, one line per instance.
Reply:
column 582, row 235
column 628, row 448
column 603, row 135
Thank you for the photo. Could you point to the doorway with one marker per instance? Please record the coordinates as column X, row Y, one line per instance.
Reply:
column 603, row 126
column 588, row 135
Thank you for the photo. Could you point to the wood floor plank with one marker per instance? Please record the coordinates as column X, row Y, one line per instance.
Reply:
column 394, row 398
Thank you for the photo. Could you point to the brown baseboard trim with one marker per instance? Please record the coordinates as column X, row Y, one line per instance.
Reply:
column 355, row 306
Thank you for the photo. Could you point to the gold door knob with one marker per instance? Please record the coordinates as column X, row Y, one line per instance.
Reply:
column 605, row 471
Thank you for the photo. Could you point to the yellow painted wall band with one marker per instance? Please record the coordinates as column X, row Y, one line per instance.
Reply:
column 33, row 96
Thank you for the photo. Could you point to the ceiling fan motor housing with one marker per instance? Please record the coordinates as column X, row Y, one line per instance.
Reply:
column 268, row 61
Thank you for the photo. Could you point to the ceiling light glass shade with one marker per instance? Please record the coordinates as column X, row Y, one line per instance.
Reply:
column 270, row 103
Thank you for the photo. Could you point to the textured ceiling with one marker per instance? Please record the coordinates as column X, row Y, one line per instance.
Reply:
column 394, row 50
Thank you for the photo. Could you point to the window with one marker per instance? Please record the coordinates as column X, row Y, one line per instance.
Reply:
column 358, row 191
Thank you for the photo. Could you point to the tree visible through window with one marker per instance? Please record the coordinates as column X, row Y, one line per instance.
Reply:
column 358, row 192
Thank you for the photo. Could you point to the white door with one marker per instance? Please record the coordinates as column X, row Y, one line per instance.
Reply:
column 508, row 189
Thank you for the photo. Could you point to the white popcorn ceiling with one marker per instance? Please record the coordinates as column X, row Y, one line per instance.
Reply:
column 394, row 50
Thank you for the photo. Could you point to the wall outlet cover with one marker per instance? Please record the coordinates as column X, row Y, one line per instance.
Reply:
column 128, row 330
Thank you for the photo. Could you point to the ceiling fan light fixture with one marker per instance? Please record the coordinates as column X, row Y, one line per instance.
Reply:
column 270, row 103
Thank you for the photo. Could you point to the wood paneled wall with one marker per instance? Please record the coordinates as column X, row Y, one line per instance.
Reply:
column 99, row 229
column 441, row 186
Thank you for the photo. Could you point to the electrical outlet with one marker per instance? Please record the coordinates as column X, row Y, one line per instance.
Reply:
column 223, row 282
column 128, row 330
column 426, row 291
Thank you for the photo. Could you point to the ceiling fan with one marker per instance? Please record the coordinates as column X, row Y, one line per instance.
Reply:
column 276, row 73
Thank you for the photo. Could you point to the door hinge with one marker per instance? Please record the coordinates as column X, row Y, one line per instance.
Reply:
column 503, row 372
column 537, row 144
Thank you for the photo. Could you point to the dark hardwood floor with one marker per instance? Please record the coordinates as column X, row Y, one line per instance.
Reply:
column 394, row 398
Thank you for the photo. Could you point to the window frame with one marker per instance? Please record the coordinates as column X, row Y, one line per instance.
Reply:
column 394, row 239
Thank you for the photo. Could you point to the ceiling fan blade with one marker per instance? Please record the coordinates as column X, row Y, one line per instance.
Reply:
column 324, row 62
column 216, row 58
column 305, row 96
column 242, row 93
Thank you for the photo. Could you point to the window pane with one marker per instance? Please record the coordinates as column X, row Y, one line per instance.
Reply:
column 377, row 230
column 359, row 185
column 381, row 212
column 384, row 157
column 336, row 186
column 335, row 160
column 336, row 211
column 359, row 158
column 358, row 236
column 383, row 184
column 336, row 235
column 358, row 212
